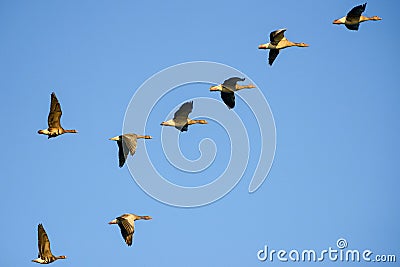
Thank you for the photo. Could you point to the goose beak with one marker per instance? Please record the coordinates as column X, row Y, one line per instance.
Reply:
column 336, row 21
column 214, row 88
column 116, row 138
column 262, row 46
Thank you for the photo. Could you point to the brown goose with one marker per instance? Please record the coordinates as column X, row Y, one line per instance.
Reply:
column 181, row 119
column 45, row 256
column 126, row 223
column 127, row 144
column 354, row 18
column 53, row 120
column 228, row 89
column 277, row 42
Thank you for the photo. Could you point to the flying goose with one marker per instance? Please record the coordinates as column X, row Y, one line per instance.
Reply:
column 127, row 144
column 181, row 120
column 354, row 18
column 45, row 256
column 126, row 223
column 228, row 89
column 277, row 42
column 53, row 120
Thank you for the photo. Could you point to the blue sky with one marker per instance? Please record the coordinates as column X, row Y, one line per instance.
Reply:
column 335, row 106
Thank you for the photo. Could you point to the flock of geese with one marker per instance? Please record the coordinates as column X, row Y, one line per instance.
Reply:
column 278, row 41
column 127, row 142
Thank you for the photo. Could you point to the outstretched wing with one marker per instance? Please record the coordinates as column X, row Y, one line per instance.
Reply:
column 230, row 83
column 273, row 53
column 126, row 144
column 228, row 98
column 53, row 119
column 123, row 152
column 276, row 36
column 129, row 141
column 43, row 244
column 127, row 229
column 356, row 12
column 183, row 112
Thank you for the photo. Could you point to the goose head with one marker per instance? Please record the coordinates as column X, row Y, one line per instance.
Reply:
column 113, row 221
column 45, row 131
column 116, row 138
column 216, row 88
column 264, row 46
column 339, row 21
column 303, row 45
column 375, row 18
column 170, row 122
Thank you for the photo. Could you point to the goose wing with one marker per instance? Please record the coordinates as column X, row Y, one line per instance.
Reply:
column 129, row 141
column 355, row 12
column 44, row 244
column 276, row 36
column 181, row 116
column 53, row 119
column 126, row 144
column 353, row 27
column 184, row 111
column 273, row 53
column 184, row 128
column 123, row 152
column 228, row 98
column 127, row 225
column 230, row 83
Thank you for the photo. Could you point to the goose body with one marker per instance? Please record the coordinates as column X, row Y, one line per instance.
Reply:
column 45, row 256
column 228, row 89
column 126, row 223
column 353, row 19
column 181, row 119
column 53, row 120
column 277, row 42
column 127, row 144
